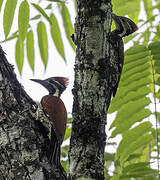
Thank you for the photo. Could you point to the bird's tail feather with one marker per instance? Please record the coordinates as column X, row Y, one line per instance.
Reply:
column 54, row 149
column 55, row 152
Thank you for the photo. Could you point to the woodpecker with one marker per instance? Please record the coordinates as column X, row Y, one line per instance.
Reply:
column 56, row 113
column 124, row 27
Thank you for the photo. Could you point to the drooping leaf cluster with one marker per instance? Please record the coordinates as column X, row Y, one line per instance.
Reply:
column 25, row 34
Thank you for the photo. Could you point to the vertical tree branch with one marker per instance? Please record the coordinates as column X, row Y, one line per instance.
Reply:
column 92, row 89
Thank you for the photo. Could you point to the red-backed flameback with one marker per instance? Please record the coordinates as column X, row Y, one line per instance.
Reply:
column 56, row 113
column 124, row 27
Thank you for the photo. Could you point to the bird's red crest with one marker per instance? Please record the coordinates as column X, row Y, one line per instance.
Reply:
column 63, row 80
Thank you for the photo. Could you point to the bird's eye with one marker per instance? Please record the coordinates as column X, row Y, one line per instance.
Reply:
column 34, row 107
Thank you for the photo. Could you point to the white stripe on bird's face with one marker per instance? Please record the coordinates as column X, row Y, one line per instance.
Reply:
column 56, row 90
column 124, row 28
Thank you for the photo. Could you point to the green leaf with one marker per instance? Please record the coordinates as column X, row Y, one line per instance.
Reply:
column 124, row 7
column 1, row 2
column 133, row 86
column 115, row 177
column 49, row 6
column 56, row 36
column 43, row 42
column 135, row 167
column 68, row 133
column 140, row 171
column 30, row 49
column 140, row 142
column 39, row 9
column 128, row 122
column 35, row 17
column 67, row 24
column 19, row 54
column 64, row 151
column 158, row 115
column 136, row 74
column 129, row 38
column 109, row 156
column 134, row 139
column 134, row 63
column 23, row 20
column 133, row 107
column 136, row 49
column 148, row 6
column 13, row 36
column 65, row 166
column 137, row 56
column 131, row 96
column 154, row 47
column 8, row 16
column 146, row 36
column 60, row 1
column 135, row 67
column 69, row 120
column 84, row 178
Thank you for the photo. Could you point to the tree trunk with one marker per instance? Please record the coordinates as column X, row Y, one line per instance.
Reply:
column 92, row 89
column 23, row 138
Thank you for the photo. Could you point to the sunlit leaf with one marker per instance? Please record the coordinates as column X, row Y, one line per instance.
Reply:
column 134, row 139
column 13, row 36
column 140, row 142
column 139, row 170
column 124, row 7
column 131, row 135
column 135, row 50
column 60, row 1
column 43, row 42
column 132, row 119
column 109, row 156
column 19, row 54
column 154, row 47
column 65, row 166
column 49, row 6
column 39, row 9
column 67, row 24
column 69, row 120
column 84, row 178
column 137, row 56
column 148, row 8
column 1, row 2
column 8, row 16
column 135, row 166
column 23, row 19
column 56, row 36
column 68, row 133
column 131, row 96
column 30, row 49
column 133, row 107
column 36, row 17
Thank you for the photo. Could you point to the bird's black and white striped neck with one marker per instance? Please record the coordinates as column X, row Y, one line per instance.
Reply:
column 55, row 85
column 124, row 26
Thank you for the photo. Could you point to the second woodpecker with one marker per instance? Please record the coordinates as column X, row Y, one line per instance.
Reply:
column 124, row 27
column 56, row 113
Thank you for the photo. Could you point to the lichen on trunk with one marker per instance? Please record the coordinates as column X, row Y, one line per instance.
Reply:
column 92, row 91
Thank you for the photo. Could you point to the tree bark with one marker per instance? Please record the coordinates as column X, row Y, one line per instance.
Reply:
column 92, row 89
column 23, row 138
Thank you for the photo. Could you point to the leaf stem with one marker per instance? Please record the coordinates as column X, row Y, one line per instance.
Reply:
column 157, row 126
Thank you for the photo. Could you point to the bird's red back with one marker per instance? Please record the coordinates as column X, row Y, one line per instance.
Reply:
column 56, row 110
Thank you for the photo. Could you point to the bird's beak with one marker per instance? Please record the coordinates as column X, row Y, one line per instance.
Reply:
column 43, row 83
